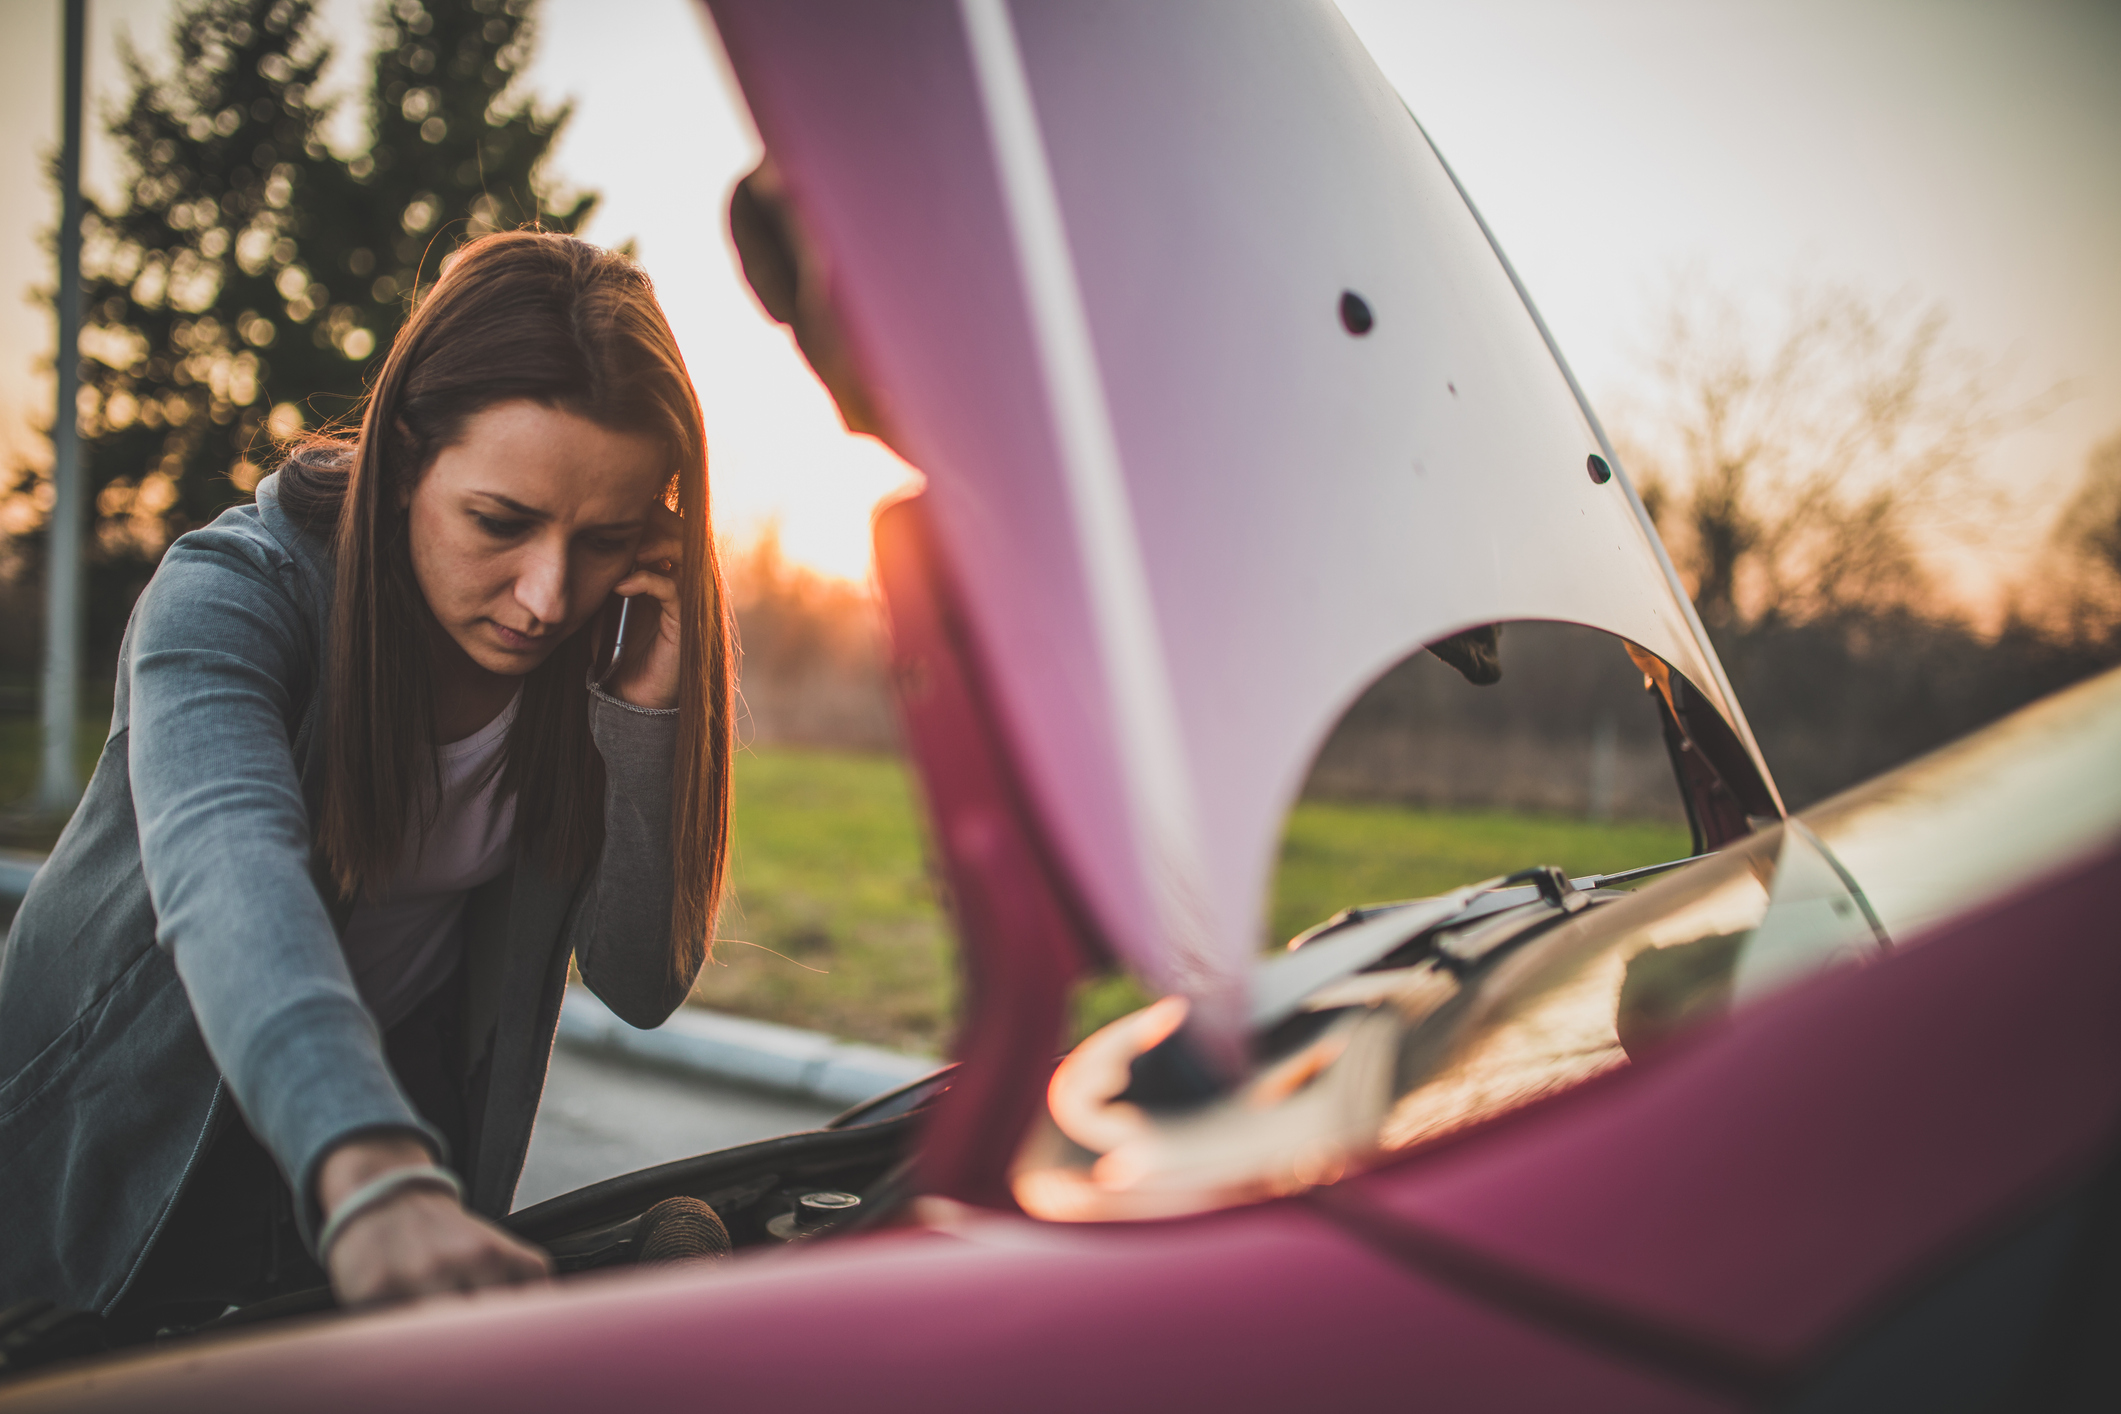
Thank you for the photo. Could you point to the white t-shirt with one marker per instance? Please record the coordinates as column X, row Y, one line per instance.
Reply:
column 402, row 942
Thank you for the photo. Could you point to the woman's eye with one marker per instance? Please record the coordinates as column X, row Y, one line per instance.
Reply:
column 607, row 545
column 500, row 529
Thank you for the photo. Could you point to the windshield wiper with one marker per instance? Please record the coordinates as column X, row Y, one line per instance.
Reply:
column 1358, row 938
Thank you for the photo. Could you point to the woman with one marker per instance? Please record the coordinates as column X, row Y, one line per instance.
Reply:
column 285, row 991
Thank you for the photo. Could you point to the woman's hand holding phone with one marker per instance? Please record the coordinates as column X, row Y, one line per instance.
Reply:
column 647, row 671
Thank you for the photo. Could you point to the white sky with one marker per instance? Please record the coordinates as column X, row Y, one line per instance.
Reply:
column 1964, row 151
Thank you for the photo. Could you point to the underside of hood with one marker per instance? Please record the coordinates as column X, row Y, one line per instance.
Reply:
column 1226, row 401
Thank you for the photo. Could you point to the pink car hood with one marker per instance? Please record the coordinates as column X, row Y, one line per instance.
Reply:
column 1094, row 261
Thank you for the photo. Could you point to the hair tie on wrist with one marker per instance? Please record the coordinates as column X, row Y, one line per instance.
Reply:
column 369, row 1194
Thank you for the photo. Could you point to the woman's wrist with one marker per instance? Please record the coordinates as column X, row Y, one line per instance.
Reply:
column 379, row 1194
column 359, row 1162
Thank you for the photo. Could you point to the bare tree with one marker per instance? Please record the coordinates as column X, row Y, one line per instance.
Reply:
column 1795, row 464
column 2084, row 584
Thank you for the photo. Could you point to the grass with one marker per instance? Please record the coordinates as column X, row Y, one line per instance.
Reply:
column 840, row 929
column 833, row 920
column 1334, row 854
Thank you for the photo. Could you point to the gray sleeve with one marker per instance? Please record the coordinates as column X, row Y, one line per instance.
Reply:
column 620, row 930
column 219, row 644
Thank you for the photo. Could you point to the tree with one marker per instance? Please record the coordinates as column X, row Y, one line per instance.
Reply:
column 1799, row 469
column 244, row 286
column 1795, row 471
column 2087, row 580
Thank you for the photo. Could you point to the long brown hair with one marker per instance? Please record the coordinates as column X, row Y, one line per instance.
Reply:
column 523, row 315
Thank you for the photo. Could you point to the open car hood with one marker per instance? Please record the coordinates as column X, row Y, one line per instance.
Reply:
column 1226, row 402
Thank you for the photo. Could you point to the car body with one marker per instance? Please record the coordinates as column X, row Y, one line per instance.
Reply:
column 1226, row 402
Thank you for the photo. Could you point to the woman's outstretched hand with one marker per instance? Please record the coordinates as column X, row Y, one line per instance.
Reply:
column 420, row 1241
column 647, row 675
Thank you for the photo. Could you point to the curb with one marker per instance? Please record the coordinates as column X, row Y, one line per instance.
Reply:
column 706, row 1045
column 736, row 1050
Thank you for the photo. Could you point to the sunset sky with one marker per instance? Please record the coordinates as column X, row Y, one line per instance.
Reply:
column 1960, row 151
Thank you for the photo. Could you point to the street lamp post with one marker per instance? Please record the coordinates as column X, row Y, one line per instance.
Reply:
column 60, row 785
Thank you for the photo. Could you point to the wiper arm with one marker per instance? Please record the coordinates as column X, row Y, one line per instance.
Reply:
column 1355, row 938
column 1345, row 944
column 1629, row 876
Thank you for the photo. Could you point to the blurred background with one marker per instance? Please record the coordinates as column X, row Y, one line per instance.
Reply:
column 1839, row 277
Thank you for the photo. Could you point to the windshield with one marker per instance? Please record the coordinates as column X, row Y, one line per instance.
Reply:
column 1470, row 1019
column 1616, row 980
column 1967, row 824
column 1465, row 1020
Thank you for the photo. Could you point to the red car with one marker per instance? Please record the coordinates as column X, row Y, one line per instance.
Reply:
column 1227, row 403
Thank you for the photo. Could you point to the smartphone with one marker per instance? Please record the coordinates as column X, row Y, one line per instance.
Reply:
column 618, row 643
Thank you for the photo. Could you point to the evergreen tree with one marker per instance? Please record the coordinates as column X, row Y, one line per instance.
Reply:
column 245, row 286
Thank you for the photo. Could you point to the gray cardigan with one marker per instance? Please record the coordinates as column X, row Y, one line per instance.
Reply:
column 180, row 949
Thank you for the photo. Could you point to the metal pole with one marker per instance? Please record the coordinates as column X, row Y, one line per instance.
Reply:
column 60, row 785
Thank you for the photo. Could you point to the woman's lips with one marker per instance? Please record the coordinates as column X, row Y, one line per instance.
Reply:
column 516, row 641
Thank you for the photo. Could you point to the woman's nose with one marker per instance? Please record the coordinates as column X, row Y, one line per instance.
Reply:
column 541, row 588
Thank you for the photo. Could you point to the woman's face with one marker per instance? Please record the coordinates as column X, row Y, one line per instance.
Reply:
column 522, row 526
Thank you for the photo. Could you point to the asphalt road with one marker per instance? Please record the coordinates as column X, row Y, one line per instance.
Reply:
column 604, row 1117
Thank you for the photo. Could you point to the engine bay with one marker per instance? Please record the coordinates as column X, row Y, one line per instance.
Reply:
column 847, row 1176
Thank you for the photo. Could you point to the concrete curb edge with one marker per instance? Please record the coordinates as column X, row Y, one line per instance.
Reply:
column 737, row 1050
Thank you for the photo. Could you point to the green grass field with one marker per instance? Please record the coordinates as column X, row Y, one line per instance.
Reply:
column 833, row 921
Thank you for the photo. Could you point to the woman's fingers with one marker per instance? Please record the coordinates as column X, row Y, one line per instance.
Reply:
column 664, row 591
column 421, row 1243
column 500, row 1261
column 664, row 542
column 655, row 564
column 647, row 673
column 641, row 581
